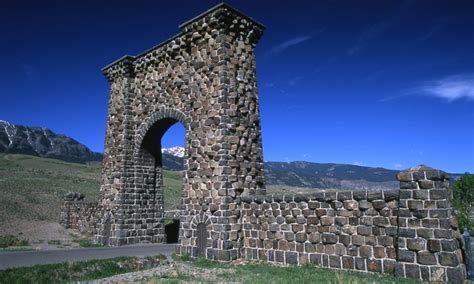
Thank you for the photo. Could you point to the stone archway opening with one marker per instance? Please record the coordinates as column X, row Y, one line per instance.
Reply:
column 164, row 184
column 173, row 143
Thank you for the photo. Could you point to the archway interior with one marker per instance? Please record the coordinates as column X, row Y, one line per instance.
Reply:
column 168, row 184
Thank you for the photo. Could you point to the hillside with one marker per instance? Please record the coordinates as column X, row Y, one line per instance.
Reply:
column 31, row 188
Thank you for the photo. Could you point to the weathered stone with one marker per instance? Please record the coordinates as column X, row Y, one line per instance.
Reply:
column 328, row 238
column 426, row 258
column 416, row 244
column 406, row 255
column 447, row 259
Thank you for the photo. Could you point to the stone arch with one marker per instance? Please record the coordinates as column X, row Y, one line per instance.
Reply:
column 205, row 78
column 162, row 113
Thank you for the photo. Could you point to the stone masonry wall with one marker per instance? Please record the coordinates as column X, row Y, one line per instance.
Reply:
column 411, row 232
column 350, row 230
column 81, row 216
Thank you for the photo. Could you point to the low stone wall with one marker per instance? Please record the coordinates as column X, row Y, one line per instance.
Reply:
column 411, row 232
column 79, row 215
column 350, row 230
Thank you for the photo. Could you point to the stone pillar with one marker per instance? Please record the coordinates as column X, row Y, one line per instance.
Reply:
column 429, row 241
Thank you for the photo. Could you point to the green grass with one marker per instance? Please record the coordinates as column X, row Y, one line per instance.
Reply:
column 32, row 188
column 266, row 273
column 88, row 244
column 74, row 271
column 12, row 241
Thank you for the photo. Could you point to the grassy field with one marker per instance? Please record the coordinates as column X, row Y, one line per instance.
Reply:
column 181, row 270
column 31, row 188
column 74, row 271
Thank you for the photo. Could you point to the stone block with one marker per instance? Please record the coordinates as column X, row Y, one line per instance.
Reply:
column 313, row 220
column 407, row 232
column 280, row 256
column 350, row 204
column 364, row 205
column 408, row 185
column 358, row 240
column 455, row 275
column 360, row 263
column 364, row 230
column 314, row 238
column 291, row 257
column 347, row 262
column 374, row 195
column 327, row 221
column 448, row 259
column 360, row 195
column 329, row 238
column 406, row 255
column 300, row 237
column 438, row 194
column 449, row 245
column 412, row 271
column 438, row 274
column 315, row 259
column 426, row 258
column 374, row 265
column 388, row 266
column 379, row 252
column 365, row 251
column 352, row 250
column 416, row 244
column 379, row 204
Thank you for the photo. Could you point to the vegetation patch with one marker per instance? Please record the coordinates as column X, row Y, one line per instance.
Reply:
column 78, row 271
column 12, row 241
column 88, row 244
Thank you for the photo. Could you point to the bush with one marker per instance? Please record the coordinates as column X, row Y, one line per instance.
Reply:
column 463, row 192
column 12, row 241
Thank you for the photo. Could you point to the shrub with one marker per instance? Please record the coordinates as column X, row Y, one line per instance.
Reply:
column 463, row 192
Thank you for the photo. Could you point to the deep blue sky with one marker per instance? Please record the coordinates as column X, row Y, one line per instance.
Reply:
column 376, row 83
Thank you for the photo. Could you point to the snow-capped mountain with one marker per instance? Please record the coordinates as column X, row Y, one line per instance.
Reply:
column 174, row 151
column 42, row 142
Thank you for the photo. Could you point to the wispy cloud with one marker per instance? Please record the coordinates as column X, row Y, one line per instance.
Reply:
column 358, row 163
column 378, row 29
column 450, row 88
column 279, row 48
column 431, row 32
column 398, row 166
column 368, row 35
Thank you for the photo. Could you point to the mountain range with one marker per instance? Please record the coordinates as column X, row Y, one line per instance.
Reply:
column 43, row 142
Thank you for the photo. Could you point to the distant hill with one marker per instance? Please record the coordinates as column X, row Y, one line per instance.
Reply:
column 42, row 142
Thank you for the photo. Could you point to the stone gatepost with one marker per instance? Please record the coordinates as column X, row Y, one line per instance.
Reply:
column 429, row 242
column 205, row 79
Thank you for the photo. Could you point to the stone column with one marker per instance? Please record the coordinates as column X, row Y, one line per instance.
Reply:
column 429, row 241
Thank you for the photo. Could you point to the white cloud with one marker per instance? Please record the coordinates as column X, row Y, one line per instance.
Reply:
column 287, row 44
column 358, row 163
column 398, row 166
column 450, row 88
column 292, row 42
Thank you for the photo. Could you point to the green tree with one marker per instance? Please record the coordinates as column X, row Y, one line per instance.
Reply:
column 463, row 191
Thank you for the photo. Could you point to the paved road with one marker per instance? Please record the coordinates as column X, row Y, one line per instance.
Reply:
column 29, row 258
